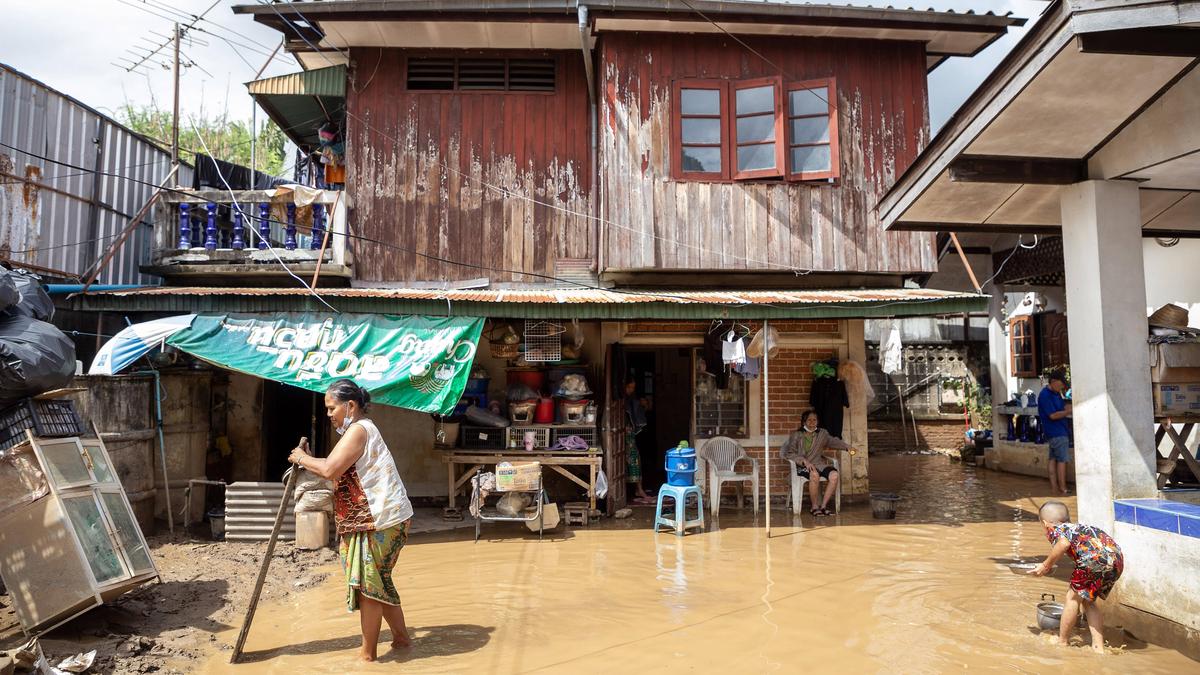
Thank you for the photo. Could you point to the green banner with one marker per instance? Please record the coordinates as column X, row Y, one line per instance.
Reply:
column 415, row 362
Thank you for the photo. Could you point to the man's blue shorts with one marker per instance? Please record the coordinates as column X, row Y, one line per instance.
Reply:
column 1059, row 448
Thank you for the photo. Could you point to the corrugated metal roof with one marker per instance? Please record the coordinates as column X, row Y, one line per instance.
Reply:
column 319, row 82
column 557, row 303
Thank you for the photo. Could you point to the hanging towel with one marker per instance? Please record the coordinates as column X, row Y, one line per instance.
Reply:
column 733, row 352
column 750, row 368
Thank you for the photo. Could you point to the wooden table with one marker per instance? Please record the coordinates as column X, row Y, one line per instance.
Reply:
column 557, row 460
column 1179, row 449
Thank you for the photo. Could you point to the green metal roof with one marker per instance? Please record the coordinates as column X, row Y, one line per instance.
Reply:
column 549, row 304
column 301, row 102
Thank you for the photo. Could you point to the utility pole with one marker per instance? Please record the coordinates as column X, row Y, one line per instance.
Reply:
column 254, row 120
column 175, row 114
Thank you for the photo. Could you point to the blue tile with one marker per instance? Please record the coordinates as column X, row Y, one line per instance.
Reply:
column 1158, row 520
column 1189, row 527
column 1124, row 513
column 1182, row 508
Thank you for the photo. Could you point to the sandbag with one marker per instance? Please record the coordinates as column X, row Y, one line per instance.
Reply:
column 9, row 295
column 33, row 301
column 315, row 500
column 35, row 357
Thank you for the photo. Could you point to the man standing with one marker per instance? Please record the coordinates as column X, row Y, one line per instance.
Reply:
column 1053, row 412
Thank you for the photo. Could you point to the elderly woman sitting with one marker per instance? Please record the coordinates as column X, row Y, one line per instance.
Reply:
column 811, row 447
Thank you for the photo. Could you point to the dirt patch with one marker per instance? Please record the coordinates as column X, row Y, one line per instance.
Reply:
column 164, row 627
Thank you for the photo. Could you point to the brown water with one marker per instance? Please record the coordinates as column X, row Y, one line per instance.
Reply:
column 928, row 592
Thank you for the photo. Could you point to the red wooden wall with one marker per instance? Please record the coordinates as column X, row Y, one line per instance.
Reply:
column 427, row 171
column 661, row 223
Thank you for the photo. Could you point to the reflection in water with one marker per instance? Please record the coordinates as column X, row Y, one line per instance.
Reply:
column 927, row 592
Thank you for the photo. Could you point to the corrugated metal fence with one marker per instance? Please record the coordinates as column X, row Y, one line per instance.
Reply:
column 65, row 192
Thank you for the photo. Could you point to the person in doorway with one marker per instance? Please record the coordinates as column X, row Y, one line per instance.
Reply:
column 1053, row 412
column 1098, row 564
column 635, row 412
column 811, row 448
column 371, row 510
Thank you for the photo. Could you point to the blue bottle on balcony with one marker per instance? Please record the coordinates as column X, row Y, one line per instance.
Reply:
column 238, row 243
column 1011, row 434
column 264, row 226
column 210, row 228
column 185, row 226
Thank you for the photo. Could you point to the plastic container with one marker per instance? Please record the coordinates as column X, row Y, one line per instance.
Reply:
column 544, row 413
column 883, row 505
column 216, row 520
column 534, row 379
column 681, row 466
column 477, row 386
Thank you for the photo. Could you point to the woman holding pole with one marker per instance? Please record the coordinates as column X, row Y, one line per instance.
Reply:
column 371, row 510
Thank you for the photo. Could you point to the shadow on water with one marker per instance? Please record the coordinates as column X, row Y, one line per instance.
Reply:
column 427, row 642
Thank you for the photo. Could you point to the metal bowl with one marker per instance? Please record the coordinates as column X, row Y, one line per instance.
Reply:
column 1049, row 614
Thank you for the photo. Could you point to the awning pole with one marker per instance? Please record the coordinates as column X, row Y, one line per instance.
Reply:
column 767, row 417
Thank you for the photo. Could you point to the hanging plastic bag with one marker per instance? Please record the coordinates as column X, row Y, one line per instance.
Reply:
column 601, row 484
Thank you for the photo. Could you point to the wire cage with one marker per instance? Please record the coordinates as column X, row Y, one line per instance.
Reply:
column 543, row 341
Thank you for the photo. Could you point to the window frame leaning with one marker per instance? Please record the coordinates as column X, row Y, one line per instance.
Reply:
column 727, row 123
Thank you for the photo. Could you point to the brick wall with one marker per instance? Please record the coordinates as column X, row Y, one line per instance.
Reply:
column 888, row 436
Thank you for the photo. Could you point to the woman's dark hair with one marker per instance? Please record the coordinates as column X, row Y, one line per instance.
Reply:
column 348, row 390
column 804, row 416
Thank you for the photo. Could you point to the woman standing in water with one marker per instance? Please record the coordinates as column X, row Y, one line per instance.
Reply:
column 371, row 511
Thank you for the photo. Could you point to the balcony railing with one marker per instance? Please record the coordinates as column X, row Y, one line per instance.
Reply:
column 248, row 230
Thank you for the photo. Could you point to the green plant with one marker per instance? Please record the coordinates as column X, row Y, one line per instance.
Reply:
column 979, row 404
column 1065, row 367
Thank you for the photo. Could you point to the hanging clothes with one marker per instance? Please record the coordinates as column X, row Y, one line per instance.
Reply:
column 891, row 358
column 733, row 350
column 829, row 399
column 712, row 353
column 751, row 367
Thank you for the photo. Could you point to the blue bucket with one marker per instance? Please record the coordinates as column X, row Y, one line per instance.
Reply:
column 681, row 467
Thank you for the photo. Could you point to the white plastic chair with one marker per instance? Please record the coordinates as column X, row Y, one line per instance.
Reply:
column 722, row 454
column 798, row 481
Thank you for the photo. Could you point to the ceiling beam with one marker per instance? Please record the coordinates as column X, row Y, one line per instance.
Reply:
column 1017, row 170
column 1163, row 41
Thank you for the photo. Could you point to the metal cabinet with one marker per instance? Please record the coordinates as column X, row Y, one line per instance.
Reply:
column 76, row 547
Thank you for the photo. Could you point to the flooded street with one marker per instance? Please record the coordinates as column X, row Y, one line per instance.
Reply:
column 928, row 592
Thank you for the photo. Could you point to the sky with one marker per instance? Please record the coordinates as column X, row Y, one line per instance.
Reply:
column 71, row 45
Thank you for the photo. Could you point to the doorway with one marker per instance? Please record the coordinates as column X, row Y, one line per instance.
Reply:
column 664, row 379
column 287, row 416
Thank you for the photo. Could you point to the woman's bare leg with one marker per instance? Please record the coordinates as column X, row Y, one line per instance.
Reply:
column 814, row 492
column 394, row 615
column 831, row 489
column 370, row 617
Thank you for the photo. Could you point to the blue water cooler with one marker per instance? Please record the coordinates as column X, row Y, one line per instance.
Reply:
column 681, row 466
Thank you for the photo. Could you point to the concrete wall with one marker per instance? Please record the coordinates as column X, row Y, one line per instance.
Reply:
column 1160, row 581
column 409, row 435
column 1182, row 285
column 243, row 425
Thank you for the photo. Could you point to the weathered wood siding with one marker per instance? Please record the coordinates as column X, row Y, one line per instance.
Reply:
column 659, row 223
column 432, row 171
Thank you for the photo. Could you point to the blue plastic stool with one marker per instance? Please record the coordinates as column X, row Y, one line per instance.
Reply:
column 680, row 494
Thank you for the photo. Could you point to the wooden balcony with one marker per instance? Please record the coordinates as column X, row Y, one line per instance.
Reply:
column 256, row 237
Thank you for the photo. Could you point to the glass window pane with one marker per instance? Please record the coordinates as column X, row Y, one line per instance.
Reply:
column 701, row 130
column 707, row 160
column 127, row 532
column 810, row 158
column 756, row 100
column 810, row 130
column 67, row 466
column 808, row 101
column 700, row 101
column 85, row 518
column 756, row 128
column 755, row 157
column 100, row 467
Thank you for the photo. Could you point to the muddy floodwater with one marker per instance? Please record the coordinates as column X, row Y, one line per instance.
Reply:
column 928, row 592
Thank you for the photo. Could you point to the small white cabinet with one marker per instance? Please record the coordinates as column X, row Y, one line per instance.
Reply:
column 68, row 538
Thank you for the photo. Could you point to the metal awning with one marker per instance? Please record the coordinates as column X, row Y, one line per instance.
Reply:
column 1096, row 90
column 301, row 102
column 583, row 303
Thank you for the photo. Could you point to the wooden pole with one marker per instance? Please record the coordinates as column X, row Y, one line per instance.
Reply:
column 767, row 416
column 963, row 257
column 266, row 563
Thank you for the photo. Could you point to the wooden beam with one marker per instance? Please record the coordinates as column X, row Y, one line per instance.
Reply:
column 963, row 257
column 1017, row 170
column 1161, row 41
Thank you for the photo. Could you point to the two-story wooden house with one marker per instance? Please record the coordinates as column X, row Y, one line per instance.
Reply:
column 629, row 172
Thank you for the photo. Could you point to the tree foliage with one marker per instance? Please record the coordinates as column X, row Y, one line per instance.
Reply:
column 226, row 139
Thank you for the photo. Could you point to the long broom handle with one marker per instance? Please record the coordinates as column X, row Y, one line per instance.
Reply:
column 266, row 563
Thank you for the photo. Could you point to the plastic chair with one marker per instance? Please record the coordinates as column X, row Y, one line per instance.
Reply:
column 798, row 481
column 722, row 454
column 680, row 495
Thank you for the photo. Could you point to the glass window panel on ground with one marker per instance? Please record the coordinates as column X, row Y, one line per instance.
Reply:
column 88, row 523
column 127, row 531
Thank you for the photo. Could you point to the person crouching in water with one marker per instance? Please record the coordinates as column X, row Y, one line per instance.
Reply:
column 371, row 510
column 1098, row 565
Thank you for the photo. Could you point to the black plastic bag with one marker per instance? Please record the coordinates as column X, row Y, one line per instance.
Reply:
column 35, row 357
column 34, row 301
column 9, row 295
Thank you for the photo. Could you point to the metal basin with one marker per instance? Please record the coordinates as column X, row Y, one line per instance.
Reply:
column 1049, row 614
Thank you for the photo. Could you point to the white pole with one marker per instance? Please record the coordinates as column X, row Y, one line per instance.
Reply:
column 767, row 417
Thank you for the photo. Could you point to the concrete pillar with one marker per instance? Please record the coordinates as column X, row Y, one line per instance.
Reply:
column 999, row 357
column 855, row 469
column 1106, row 317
